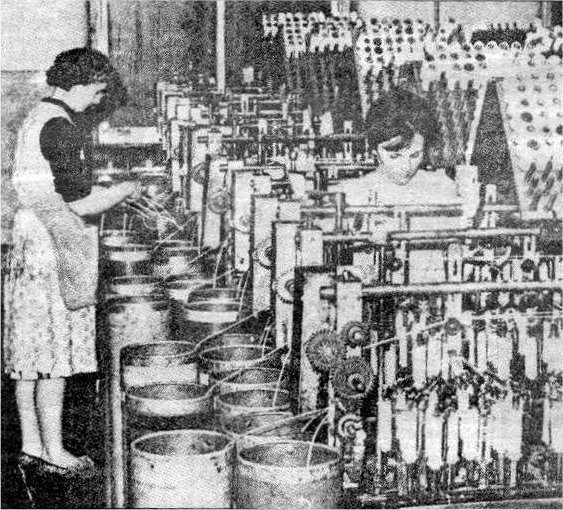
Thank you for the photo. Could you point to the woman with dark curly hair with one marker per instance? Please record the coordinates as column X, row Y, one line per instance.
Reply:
column 52, row 279
column 404, row 134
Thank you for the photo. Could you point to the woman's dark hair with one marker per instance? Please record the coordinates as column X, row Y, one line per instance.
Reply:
column 83, row 66
column 79, row 66
column 400, row 112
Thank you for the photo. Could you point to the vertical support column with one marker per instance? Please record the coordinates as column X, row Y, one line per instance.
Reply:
column 285, row 252
column 436, row 14
column 99, row 16
column 313, row 319
column 220, row 45
column 545, row 10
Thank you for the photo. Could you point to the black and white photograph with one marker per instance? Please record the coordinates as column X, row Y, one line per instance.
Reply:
column 281, row 254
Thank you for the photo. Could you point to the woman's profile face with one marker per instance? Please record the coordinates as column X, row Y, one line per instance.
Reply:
column 88, row 95
column 399, row 162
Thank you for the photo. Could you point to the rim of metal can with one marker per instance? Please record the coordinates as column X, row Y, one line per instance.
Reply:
column 226, row 446
column 271, row 374
column 247, row 421
column 135, row 355
column 216, row 294
column 223, row 399
column 120, row 303
column 204, row 354
column 191, row 392
column 137, row 279
column 335, row 461
column 129, row 247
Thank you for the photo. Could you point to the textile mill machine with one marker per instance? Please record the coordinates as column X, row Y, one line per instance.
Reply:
column 427, row 331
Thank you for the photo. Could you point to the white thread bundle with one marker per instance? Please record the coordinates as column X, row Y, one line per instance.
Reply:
column 546, row 425
column 433, row 433
column 468, row 427
column 482, row 350
column 434, row 356
column 406, row 422
column 552, row 345
column 513, row 431
column 452, row 438
column 556, row 420
column 384, row 432
column 402, row 334
column 419, row 365
column 390, row 365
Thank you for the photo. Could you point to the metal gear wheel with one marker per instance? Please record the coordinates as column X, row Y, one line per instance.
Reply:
column 355, row 334
column 352, row 378
column 348, row 425
column 263, row 253
column 198, row 172
column 242, row 223
column 283, row 286
column 219, row 200
column 324, row 350
column 453, row 326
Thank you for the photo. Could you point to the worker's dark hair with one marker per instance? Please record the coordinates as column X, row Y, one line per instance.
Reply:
column 79, row 66
column 83, row 66
column 401, row 112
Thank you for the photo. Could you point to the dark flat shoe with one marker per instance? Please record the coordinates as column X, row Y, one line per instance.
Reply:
column 25, row 460
column 85, row 467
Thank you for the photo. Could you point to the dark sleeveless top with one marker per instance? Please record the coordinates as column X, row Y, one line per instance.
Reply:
column 62, row 144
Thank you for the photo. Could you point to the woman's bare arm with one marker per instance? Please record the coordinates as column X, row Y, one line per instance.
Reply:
column 102, row 199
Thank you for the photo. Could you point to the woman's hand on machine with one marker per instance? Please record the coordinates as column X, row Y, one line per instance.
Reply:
column 132, row 190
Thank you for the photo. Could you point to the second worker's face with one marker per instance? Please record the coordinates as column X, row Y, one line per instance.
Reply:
column 400, row 162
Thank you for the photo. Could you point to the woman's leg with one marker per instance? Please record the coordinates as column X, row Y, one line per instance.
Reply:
column 25, row 400
column 49, row 399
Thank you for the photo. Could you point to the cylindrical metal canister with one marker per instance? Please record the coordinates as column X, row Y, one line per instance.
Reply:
column 176, row 258
column 159, row 407
column 136, row 285
column 245, row 429
column 158, row 363
column 288, row 474
column 134, row 320
column 181, row 469
column 253, row 379
column 209, row 311
column 179, row 289
column 230, row 405
column 244, row 423
column 219, row 362
column 126, row 260
column 229, row 339
column 118, row 237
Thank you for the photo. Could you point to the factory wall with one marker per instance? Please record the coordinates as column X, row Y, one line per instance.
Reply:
column 34, row 31
column 413, row 9
column 467, row 13
column 472, row 13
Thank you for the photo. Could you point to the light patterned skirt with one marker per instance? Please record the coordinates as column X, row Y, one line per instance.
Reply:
column 42, row 338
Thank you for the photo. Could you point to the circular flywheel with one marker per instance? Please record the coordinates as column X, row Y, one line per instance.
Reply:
column 324, row 350
column 355, row 334
column 352, row 378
